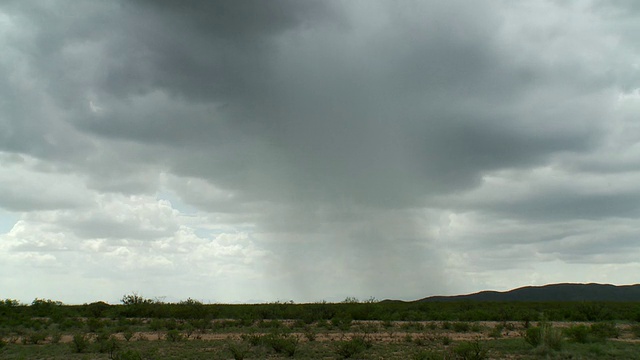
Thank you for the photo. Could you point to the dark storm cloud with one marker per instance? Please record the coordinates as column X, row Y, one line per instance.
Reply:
column 556, row 206
column 329, row 126
column 274, row 100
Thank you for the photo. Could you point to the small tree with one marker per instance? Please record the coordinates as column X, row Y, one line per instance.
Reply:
column 135, row 299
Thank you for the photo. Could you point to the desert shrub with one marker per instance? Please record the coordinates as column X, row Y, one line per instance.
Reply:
column 299, row 323
column 323, row 324
column 578, row 333
column 96, row 309
column 426, row 339
column 135, row 299
column 102, row 336
column 635, row 330
column 470, row 351
column 2, row 343
column 127, row 355
column 412, row 325
column 427, row 355
column 596, row 350
column 174, row 336
column 445, row 340
column 269, row 324
column 348, row 349
column 604, row 330
column 94, row 325
column 342, row 322
column 238, row 350
column 171, row 324
column 553, row 338
column 108, row 345
column 496, row 332
column 253, row 339
column 156, row 324
column 282, row 343
column 79, row 343
column 230, row 324
column 56, row 336
column 533, row 336
column 69, row 323
column 421, row 340
column 188, row 330
column 446, row 325
column 461, row 327
column 310, row 334
column 592, row 311
column 45, row 307
column 34, row 337
column 201, row 324
column 127, row 335
column 545, row 336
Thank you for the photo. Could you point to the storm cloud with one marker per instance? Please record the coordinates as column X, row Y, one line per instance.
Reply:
column 256, row 151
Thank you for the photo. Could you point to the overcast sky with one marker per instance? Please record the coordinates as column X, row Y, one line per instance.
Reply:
column 250, row 151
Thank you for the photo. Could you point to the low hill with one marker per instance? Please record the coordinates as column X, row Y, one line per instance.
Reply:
column 552, row 292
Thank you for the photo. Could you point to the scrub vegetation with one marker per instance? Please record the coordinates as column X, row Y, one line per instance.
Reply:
column 142, row 328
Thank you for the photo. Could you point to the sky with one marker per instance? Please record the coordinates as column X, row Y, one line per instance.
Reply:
column 257, row 151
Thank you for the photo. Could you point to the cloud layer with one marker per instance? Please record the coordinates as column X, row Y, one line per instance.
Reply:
column 316, row 150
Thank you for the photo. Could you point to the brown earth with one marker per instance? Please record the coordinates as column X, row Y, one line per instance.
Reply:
column 393, row 334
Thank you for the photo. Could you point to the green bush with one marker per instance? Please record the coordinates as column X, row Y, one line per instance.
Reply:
column 427, row 355
column 238, row 350
column 553, row 338
column 127, row 355
column 342, row 322
column 446, row 340
column 578, row 333
column 174, row 336
column 127, row 335
column 533, row 336
column 108, row 345
column 34, row 337
column 70, row 323
column 594, row 333
column 604, row 330
column 461, row 327
column 79, row 343
column 253, row 339
column 270, row 324
column 496, row 332
column 94, row 325
column 310, row 334
column 56, row 336
column 470, row 351
column 348, row 349
column 544, row 335
column 282, row 343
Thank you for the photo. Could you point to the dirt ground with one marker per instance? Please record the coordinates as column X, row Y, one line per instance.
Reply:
column 393, row 334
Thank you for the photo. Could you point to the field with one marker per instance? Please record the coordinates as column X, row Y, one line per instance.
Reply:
column 148, row 329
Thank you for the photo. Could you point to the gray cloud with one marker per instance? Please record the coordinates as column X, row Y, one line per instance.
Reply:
column 334, row 135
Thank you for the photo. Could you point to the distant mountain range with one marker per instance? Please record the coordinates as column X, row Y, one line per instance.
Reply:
column 552, row 292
